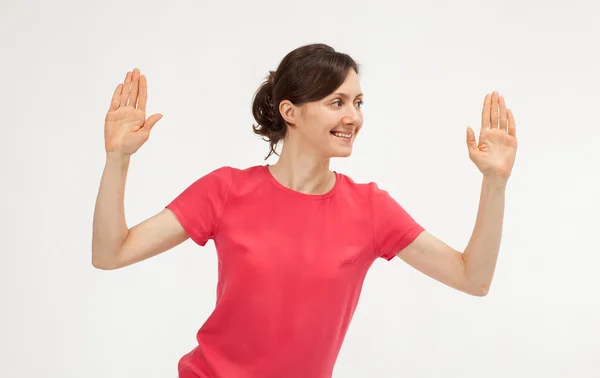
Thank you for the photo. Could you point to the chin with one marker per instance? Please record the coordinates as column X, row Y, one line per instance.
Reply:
column 345, row 154
column 341, row 147
column 341, row 152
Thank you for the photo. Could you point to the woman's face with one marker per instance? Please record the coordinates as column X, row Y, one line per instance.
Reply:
column 329, row 126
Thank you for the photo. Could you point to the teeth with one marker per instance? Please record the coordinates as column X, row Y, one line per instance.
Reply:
column 338, row 134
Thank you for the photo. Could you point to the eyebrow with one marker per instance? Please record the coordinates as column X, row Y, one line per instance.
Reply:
column 340, row 94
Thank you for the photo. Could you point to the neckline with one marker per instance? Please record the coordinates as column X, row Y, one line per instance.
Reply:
column 298, row 194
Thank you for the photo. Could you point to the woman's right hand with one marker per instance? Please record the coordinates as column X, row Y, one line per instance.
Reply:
column 125, row 126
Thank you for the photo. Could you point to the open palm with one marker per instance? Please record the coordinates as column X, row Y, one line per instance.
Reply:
column 126, row 128
column 496, row 150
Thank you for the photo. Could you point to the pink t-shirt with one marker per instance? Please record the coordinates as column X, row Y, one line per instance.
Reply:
column 291, row 268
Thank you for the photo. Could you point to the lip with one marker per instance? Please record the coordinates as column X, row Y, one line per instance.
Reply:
column 343, row 132
column 344, row 139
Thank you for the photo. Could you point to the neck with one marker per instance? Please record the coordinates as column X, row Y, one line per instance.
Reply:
column 302, row 171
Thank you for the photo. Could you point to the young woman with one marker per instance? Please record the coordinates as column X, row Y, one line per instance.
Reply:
column 294, row 240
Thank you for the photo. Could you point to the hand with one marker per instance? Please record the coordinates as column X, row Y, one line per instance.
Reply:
column 126, row 127
column 495, row 153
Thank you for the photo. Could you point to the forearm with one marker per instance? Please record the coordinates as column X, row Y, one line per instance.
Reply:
column 481, row 253
column 109, row 225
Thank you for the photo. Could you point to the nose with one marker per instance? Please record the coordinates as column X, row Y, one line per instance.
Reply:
column 353, row 117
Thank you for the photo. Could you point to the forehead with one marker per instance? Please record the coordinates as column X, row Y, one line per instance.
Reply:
column 350, row 88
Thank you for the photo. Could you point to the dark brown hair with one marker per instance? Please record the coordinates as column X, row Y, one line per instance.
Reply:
column 308, row 73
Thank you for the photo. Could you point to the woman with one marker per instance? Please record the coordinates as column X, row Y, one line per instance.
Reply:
column 294, row 240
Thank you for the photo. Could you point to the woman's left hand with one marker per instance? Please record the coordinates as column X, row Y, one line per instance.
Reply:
column 495, row 153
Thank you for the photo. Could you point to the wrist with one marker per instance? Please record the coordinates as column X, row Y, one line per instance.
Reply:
column 117, row 158
column 495, row 181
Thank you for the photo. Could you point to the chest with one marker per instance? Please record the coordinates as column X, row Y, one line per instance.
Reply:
column 314, row 241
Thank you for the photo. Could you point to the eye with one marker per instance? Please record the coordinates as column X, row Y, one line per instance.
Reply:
column 338, row 103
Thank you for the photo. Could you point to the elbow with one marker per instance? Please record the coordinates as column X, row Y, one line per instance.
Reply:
column 102, row 263
column 476, row 289
column 102, row 266
column 479, row 290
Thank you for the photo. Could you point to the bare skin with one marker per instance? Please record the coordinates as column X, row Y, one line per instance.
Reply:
column 126, row 129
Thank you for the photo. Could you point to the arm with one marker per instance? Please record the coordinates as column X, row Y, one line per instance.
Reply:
column 472, row 271
column 494, row 155
column 114, row 245
column 126, row 129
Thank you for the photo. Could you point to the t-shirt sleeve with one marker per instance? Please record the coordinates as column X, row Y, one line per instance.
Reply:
column 199, row 207
column 393, row 227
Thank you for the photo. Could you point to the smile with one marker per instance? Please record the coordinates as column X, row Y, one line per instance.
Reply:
column 342, row 135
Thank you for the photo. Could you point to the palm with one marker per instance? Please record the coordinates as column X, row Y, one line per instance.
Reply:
column 122, row 129
column 126, row 115
column 495, row 152
column 126, row 128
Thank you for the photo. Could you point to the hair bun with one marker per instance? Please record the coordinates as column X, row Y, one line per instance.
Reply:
column 264, row 112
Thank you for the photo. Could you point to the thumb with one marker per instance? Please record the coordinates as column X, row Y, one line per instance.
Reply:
column 471, row 141
column 151, row 121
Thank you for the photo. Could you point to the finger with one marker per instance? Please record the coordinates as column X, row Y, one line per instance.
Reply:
column 485, row 114
column 133, row 95
column 471, row 141
column 503, row 118
column 494, row 114
column 126, row 89
column 114, row 101
column 143, row 93
column 512, row 129
column 151, row 121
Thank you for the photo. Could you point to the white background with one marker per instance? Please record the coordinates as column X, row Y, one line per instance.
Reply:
column 426, row 70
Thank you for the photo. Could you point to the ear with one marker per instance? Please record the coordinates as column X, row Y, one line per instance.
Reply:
column 289, row 112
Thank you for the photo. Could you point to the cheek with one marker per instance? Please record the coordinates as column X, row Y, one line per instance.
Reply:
column 320, row 126
column 330, row 122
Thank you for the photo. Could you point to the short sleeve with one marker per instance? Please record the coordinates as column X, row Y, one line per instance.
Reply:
column 199, row 207
column 393, row 227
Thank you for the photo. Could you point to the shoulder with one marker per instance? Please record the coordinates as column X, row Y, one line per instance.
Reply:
column 227, row 177
column 229, row 173
column 364, row 190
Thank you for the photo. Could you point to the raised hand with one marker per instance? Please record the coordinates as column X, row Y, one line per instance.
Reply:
column 126, row 128
column 495, row 152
